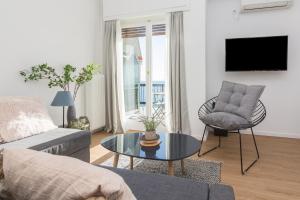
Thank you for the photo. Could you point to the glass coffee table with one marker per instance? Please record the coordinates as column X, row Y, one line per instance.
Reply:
column 173, row 147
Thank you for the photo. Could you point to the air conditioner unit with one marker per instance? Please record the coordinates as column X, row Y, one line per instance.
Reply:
column 254, row 5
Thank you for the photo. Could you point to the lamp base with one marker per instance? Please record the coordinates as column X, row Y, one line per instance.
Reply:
column 63, row 117
column 71, row 114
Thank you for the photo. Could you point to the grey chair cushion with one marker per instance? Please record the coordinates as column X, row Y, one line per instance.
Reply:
column 226, row 121
column 238, row 99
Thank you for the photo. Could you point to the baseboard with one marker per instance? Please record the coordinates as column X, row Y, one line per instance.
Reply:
column 261, row 133
column 264, row 133
column 275, row 134
column 97, row 130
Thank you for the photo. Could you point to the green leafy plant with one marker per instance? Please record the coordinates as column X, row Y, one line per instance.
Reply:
column 151, row 122
column 64, row 80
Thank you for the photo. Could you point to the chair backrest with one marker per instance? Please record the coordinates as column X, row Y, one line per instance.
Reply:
column 259, row 114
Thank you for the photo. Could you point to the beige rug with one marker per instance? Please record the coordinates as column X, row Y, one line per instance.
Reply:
column 198, row 170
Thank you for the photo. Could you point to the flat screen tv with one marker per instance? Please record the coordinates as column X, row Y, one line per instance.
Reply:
column 257, row 54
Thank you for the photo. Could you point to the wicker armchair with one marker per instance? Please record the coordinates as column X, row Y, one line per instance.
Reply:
column 258, row 116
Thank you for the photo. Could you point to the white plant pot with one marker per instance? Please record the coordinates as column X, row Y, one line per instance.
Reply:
column 150, row 135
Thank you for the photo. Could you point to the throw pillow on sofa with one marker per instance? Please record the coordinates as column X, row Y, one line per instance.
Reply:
column 22, row 117
column 33, row 175
column 4, row 193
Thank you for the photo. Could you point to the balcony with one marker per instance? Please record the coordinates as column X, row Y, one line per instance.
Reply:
column 136, row 98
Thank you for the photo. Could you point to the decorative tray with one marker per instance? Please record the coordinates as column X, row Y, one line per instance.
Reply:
column 153, row 140
column 153, row 144
column 149, row 143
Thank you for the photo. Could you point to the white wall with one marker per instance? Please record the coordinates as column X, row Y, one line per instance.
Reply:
column 53, row 31
column 133, row 8
column 194, row 25
column 195, row 56
column 95, row 90
column 281, row 96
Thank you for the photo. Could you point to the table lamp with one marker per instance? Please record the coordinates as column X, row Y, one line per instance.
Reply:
column 62, row 99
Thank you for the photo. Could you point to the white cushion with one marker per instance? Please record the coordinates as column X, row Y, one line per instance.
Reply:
column 22, row 117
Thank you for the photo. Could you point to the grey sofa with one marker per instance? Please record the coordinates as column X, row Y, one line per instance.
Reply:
column 147, row 186
column 76, row 143
column 60, row 141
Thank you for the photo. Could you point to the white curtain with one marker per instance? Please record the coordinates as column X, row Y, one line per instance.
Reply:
column 112, row 62
column 179, row 118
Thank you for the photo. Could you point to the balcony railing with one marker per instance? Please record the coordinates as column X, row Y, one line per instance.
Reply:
column 158, row 93
column 136, row 97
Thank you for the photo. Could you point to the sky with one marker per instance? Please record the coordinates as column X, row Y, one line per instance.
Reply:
column 159, row 46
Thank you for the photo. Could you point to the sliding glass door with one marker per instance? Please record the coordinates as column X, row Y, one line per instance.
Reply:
column 144, row 67
column 159, row 67
column 134, row 69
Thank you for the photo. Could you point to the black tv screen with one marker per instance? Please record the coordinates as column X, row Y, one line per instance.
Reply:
column 257, row 54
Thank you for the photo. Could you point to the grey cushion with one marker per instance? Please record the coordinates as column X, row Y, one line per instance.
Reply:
column 218, row 192
column 146, row 186
column 238, row 99
column 60, row 141
column 226, row 121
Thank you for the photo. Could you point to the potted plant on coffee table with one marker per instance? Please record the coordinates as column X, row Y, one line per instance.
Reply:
column 151, row 122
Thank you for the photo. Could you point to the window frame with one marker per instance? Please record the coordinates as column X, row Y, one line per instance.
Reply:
column 147, row 22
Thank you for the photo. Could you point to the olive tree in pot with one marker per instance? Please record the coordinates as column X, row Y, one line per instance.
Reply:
column 70, row 79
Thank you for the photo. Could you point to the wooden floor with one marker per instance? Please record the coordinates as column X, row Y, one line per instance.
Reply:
column 276, row 176
column 99, row 153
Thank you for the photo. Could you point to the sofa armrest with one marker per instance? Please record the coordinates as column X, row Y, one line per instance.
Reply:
column 221, row 192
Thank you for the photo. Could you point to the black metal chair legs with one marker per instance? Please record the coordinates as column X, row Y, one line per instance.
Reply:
column 241, row 153
column 258, row 116
column 241, row 150
column 214, row 148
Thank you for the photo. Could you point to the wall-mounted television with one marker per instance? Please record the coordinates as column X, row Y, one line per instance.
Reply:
column 257, row 54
